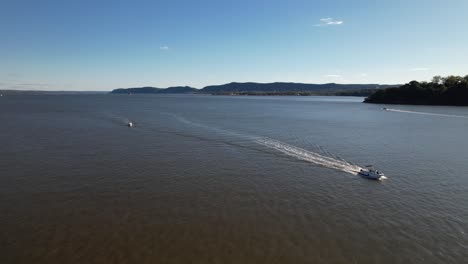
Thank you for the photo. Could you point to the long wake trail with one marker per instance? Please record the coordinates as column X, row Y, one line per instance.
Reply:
column 309, row 156
column 287, row 149
column 423, row 113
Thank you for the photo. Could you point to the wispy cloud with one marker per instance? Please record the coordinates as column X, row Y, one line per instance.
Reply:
column 328, row 21
column 333, row 76
column 33, row 84
column 419, row 69
column 25, row 86
column 164, row 48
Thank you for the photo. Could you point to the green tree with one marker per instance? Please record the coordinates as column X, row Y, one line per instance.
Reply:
column 452, row 80
column 437, row 79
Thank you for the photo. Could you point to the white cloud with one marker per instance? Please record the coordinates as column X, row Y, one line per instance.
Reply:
column 419, row 69
column 363, row 75
column 329, row 22
column 333, row 76
column 164, row 48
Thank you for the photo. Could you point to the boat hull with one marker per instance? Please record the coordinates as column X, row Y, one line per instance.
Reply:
column 371, row 177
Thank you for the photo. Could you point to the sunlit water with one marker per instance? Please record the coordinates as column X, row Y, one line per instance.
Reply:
column 211, row 179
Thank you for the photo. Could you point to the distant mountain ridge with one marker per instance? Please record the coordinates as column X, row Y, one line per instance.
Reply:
column 249, row 87
column 152, row 90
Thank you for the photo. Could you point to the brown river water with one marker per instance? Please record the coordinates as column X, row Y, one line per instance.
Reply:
column 208, row 179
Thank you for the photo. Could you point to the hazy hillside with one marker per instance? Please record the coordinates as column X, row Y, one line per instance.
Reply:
column 257, row 88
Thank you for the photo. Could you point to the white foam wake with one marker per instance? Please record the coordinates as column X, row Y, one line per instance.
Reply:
column 290, row 150
column 423, row 113
column 309, row 156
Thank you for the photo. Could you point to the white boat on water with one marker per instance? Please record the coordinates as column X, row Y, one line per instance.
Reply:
column 371, row 173
column 130, row 124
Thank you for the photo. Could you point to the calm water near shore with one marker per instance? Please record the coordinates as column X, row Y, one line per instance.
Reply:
column 214, row 179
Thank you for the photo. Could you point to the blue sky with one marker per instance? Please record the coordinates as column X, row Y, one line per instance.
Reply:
column 101, row 45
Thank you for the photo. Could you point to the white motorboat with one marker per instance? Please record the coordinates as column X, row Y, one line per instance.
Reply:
column 371, row 173
column 130, row 124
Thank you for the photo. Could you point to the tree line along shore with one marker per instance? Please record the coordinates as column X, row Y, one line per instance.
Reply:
column 450, row 90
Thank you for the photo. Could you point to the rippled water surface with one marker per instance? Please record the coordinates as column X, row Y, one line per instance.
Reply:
column 208, row 179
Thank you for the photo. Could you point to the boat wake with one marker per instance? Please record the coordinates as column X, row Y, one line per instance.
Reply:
column 424, row 113
column 284, row 148
column 215, row 129
column 309, row 156
column 114, row 118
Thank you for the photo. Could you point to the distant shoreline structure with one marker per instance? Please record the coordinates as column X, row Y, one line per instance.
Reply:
column 450, row 90
column 43, row 92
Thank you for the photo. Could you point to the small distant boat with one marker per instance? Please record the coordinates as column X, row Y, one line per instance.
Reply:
column 385, row 108
column 370, row 173
column 131, row 124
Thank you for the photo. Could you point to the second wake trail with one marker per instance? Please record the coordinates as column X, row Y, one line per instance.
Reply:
column 423, row 113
